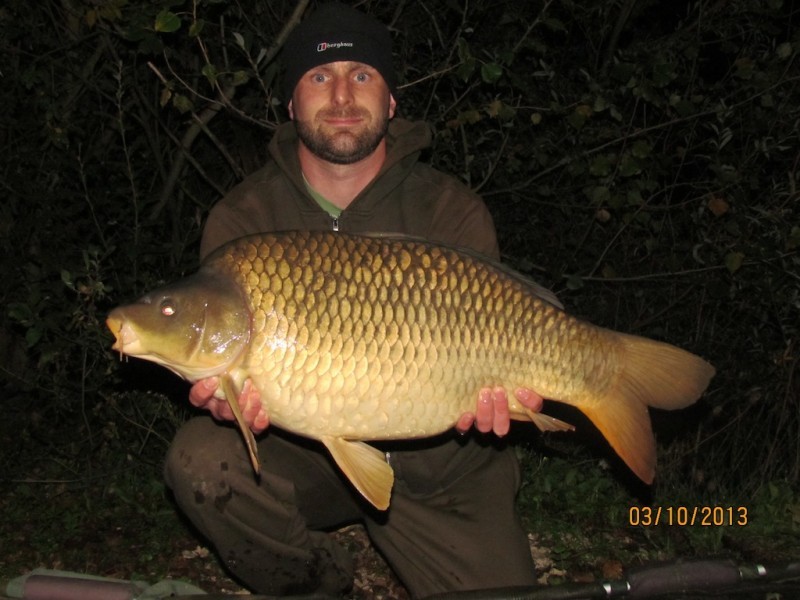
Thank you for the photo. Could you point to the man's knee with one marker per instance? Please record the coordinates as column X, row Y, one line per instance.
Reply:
column 201, row 451
column 252, row 523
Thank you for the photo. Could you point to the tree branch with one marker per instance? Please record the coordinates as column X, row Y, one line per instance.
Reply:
column 201, row 120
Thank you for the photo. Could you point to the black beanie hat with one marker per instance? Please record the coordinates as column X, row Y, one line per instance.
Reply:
column 337, row 32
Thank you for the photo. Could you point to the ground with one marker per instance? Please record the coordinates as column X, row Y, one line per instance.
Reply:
column 96, row 504
column 140, row 537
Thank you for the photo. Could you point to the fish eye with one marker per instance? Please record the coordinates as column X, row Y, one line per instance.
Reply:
column 168, row 308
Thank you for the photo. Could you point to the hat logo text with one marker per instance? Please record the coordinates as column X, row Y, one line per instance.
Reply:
column 330, row 46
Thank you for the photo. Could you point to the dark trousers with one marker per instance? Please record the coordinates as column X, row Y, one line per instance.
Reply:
column 451, row 524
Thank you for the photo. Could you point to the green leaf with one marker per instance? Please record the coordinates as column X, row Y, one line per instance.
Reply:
column 634, row 198
column 109, row 12
column 784, row 50
column 744, row 68
column 136, row 33
column 600, row 194
column 196, row 28
column 554, row 24
column 601, row 166
column 576, row 119
column 210, row 71
column 600, row 104
column 182, row 103
column 500, row 110
column 240, row 77
column 167, row 22
column 34, row 334
column 464, row 54
column 616, row 201
column 608, row 272
column 629, row 166
column 641, row 149
column 66, row 277
column 794, row 239
column 491, row 72
column 470, row 116
column 623, row 71
column 150, row 44
column 166, row 96
column 663, row 74
column 20, row 312
column 733, row 261
column 574, row 282
column 465, row 69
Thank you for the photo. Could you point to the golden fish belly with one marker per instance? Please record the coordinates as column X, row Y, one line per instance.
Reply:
column 360, row 339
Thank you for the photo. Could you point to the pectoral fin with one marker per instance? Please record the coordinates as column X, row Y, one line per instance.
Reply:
column 249, row 439
column 365, row 467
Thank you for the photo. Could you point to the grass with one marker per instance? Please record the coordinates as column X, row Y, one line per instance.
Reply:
column 590, row 519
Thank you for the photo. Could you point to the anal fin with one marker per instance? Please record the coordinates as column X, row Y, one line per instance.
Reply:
column 542, row 421
column 365, row 467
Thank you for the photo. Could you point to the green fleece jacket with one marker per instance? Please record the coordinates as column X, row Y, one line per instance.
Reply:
column 407, row 196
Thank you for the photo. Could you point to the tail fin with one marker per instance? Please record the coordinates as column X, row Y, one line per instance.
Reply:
column 652, row 374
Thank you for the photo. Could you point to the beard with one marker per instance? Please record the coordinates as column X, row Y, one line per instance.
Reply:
column 342, row 147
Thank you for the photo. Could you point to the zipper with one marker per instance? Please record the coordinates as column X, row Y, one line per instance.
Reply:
column 335, row 223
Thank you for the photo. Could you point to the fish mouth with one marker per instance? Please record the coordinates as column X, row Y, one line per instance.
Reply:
column 126, row 340
column 128, row 343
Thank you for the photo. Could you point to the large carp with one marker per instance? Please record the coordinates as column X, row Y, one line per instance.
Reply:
column 351, row 338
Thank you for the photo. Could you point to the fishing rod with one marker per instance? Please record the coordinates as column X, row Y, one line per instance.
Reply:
column 675, row 580
column 678, row 580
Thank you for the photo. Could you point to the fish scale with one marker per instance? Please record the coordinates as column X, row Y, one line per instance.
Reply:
column 353, row 338
column 393, row 328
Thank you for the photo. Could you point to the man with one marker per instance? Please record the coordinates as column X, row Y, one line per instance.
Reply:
column 345, row 163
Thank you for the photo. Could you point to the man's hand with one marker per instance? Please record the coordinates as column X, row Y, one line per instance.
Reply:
column 492, row 412
column 202, row 395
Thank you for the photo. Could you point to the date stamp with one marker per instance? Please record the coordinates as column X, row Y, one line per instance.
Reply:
column 687, row 516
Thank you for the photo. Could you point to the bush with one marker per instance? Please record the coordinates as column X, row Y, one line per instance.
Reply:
column 640, row 159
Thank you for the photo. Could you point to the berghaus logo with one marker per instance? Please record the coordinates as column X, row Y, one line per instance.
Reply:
column 330, row 46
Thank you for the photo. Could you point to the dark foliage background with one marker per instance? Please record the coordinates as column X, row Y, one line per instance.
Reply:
column 640, row 157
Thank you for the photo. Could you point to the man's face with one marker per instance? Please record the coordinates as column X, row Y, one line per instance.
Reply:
column 342, row 111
